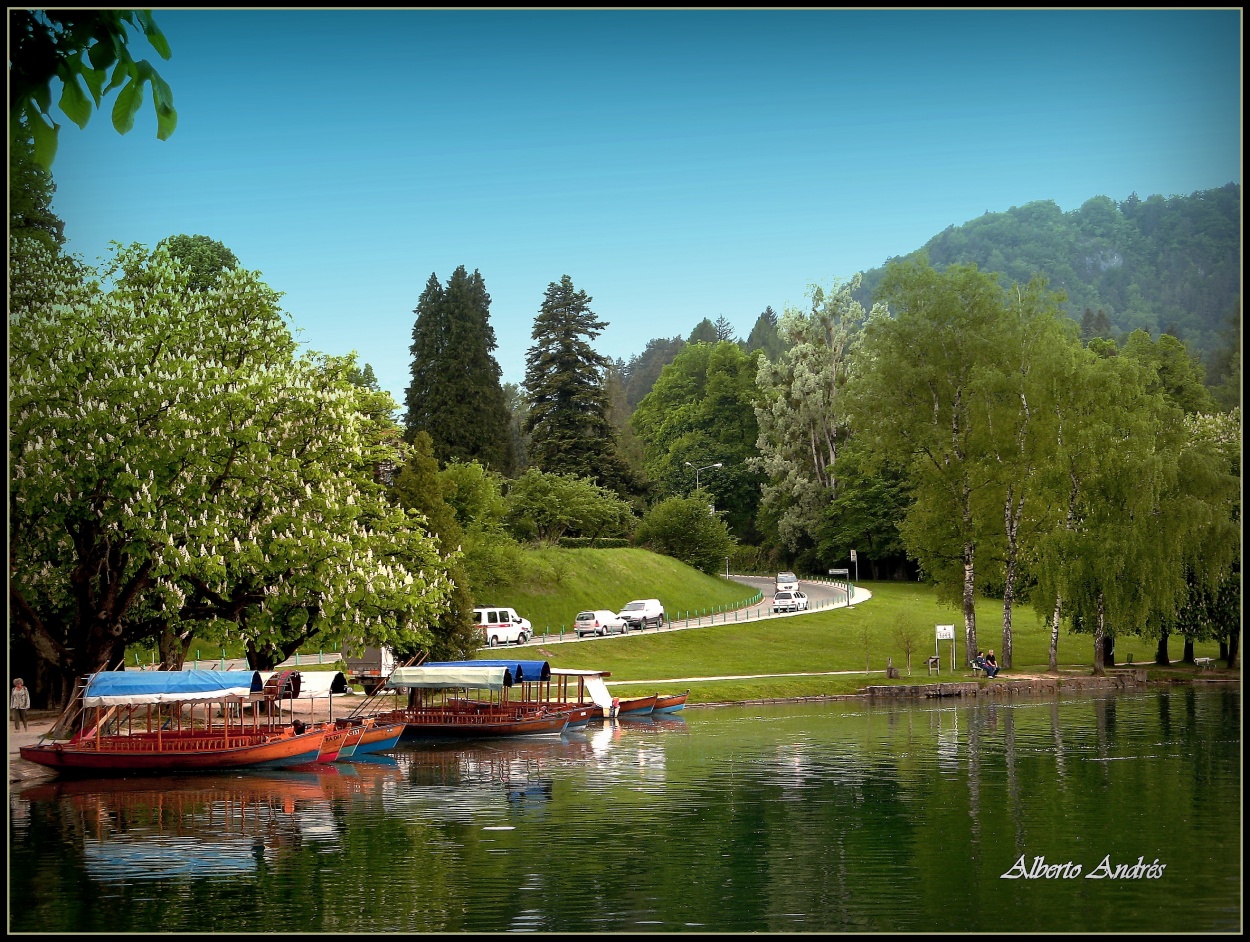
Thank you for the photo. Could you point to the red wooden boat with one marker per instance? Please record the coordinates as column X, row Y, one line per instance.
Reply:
column 194, row 751
column 146, row 721
column 448, row 721
column 636, row 706
column 670, row 702
column 332, row 743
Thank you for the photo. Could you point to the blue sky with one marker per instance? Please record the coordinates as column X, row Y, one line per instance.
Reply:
column 676, row 165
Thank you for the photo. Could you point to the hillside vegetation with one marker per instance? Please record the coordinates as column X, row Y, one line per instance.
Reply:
column 559, row 583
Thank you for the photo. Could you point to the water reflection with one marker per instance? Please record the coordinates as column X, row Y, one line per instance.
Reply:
column 152, row 828
column 813, row 817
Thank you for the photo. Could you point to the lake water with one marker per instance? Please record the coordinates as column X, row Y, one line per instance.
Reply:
column 816, row 817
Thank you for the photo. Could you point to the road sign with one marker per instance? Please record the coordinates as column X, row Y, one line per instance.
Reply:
column 853, row 557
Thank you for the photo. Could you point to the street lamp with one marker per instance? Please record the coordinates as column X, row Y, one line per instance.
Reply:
column 704, row 468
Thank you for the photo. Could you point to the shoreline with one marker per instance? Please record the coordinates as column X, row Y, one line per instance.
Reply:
column 23, row 772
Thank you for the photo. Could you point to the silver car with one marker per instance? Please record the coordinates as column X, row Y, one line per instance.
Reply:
column 599, row 622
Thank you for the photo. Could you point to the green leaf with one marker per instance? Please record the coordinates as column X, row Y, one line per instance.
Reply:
column 125, row 70
column 102, row 54
column 45, row 137
column 127, row 105
column 95, row 84
column 74, row 103
column 166, row 122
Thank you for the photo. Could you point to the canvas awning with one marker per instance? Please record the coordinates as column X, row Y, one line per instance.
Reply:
column 315, row 684
column 522, row 671
column 113, row 688
column 596, row 688
column 490, row 677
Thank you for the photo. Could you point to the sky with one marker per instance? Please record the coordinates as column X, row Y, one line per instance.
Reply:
column 675, row 164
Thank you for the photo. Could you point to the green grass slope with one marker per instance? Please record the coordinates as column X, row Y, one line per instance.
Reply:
column 562, row 582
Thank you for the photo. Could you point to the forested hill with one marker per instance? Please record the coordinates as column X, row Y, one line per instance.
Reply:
column 1164, row 265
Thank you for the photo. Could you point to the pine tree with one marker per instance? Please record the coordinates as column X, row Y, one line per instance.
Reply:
column 568, row 400
column 724, row 329
column 765, row 336
column 455, row 394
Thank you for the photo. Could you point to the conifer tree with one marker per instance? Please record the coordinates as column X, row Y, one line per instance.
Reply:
column 455, row 394
column 568, row 400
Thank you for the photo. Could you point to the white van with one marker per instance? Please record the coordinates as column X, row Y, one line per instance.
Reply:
column 502, row 625
column 787, row 582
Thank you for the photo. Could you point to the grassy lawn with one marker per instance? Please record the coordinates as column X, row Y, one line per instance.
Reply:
column 855, row 642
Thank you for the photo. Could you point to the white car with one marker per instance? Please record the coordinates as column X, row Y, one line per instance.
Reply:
column 599, row 622
column 794, row 601
column 643, row 613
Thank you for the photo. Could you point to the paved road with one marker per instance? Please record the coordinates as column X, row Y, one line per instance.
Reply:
column 821, row 594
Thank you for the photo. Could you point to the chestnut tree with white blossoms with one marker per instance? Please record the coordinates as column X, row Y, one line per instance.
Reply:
column 178, row 467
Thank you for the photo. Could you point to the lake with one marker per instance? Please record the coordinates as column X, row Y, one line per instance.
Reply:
column 1110, row 813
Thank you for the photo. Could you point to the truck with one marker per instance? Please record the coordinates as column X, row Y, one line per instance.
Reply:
column 371, row 668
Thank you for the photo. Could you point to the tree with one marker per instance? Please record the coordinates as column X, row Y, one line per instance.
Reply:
column 642, row 370
column 800, row 414
column 418, row 488
column 701, row 411
column 543, row 507
column 176, row 468
column 682, row 527
column 724, row 329
column 765, row 336
column 207, row 258
column 568, row 403
column 704, row 332
column 455, row 393
column 74, row 46
column 30, row 199
column 917, row 397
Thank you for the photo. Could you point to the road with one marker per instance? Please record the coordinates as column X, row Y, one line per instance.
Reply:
column 821, row 594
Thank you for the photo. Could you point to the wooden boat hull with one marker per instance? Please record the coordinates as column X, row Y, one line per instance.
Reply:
column 433, row 723
column 379, row 737
column 333, row 743
column 144, row 753
column 670, row 703
column 636, row 706
column 354, row 733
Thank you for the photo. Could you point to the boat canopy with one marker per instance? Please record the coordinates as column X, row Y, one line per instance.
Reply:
column 593, row 681
column 490, row 677
column 522, row 671
column 315, row 684
column 113, row 688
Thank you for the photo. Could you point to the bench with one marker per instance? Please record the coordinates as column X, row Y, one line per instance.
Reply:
column 1204, row 663
column 976, row 668
column 934, row 663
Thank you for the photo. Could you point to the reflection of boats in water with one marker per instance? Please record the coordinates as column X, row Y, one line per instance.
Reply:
column 656, row 722
column 152, row 827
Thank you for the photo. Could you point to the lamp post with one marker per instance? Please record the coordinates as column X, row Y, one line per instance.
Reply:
column 704, row 468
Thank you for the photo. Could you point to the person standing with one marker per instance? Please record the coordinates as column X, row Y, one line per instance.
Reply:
column 19, row 703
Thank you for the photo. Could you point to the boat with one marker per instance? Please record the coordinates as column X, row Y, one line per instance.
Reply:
column 378, row 737
column 670, row 702
column 581, row 693
column 636, row 706
column 146, row 721
column 444, row 701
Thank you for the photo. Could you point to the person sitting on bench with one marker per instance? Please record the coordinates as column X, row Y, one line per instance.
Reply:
column 990, row 664
column 978, row 662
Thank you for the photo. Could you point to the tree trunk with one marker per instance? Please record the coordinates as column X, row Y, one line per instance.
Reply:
column 970, row 611
column 1234, row 649
column 1053, row 661
column 1187, row 653
column 1161, row 653
column 1108, row 650
column 1100, row 628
